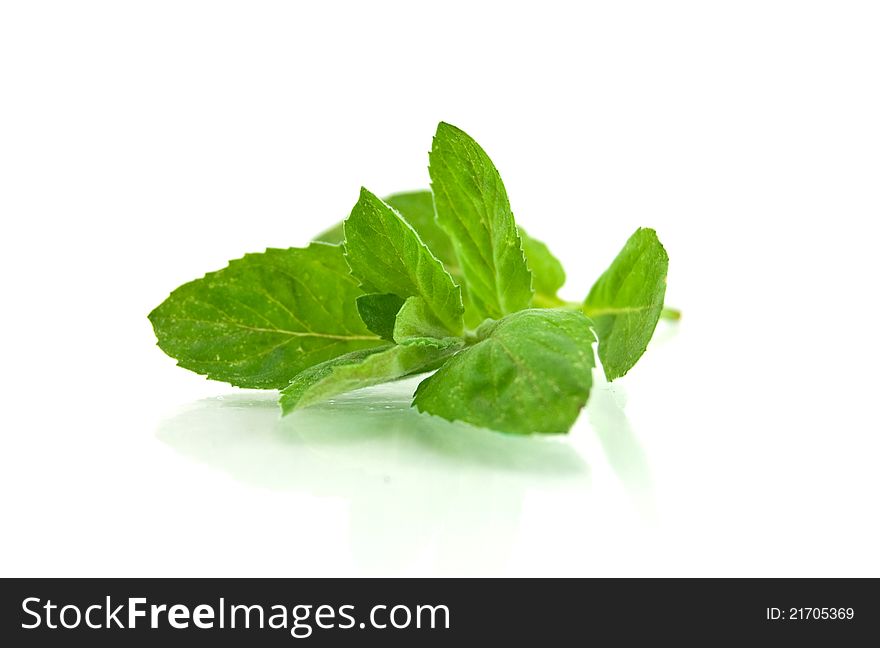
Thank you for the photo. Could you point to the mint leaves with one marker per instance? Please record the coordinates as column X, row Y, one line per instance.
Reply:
column 421, row 281
column 472, row 208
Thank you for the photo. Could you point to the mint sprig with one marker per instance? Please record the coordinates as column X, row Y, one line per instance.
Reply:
column 421, row 281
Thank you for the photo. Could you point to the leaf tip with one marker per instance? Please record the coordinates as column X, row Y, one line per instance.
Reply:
column 287, row 404
column 153, row 315
column 446, row 132
column 446, row 127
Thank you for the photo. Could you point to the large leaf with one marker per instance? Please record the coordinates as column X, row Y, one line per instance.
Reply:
column 363, row 369
column 387, row 256
column 626, row 301
column 473, row 209
column 530, row 372
column 265, row 317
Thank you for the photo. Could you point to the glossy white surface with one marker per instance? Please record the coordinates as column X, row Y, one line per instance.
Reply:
column 141, row 146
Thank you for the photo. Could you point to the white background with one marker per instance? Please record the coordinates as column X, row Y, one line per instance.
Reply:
column 143, row 144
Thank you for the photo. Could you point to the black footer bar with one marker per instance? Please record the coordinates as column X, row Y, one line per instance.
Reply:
column 427, row 612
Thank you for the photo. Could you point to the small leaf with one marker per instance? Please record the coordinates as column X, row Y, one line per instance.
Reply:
column 417, row 209
column 473, row 209
column 530, row 372
column 415, row 320
column 265, row 317
column 548, row 276
column 379, row 312
column 364, row 368
column 626, row 301
column 387, row 256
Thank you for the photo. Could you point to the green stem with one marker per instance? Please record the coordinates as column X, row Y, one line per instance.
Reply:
column 470, row 337
column 671, row 314
column 668, row 313
column 542, row 301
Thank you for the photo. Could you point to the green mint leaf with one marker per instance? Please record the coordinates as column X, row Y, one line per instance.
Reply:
column 417, row 209
column 548, row 276
column 364, row 368
column 530, row 372
column 265, row 317
column 387, row 256
column 379, row 312
column 415, row 320
column 473, row 209
column 626, row 301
